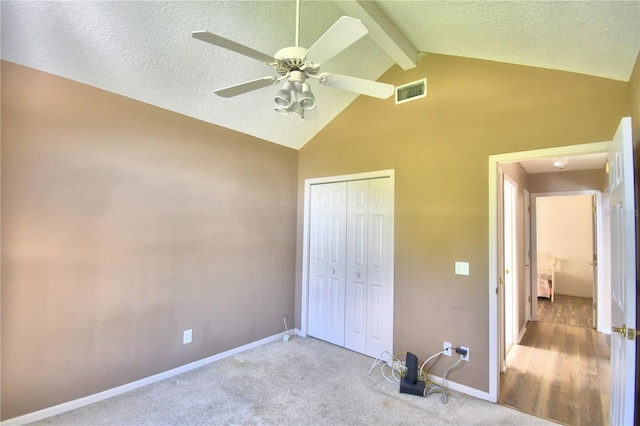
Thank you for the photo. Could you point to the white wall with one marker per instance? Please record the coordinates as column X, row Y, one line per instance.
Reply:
column 564, row 229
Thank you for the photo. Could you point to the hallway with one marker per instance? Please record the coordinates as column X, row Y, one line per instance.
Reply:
column 560, row 369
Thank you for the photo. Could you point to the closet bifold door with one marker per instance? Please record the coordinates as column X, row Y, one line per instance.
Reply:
column 357, row 261
column 379, row 268
column 327, row 252
column 368, row 272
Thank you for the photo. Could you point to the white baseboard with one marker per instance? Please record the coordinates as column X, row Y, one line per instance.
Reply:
column 110, row 393
column 522, row 331
column 461, row 388
column 568, row 293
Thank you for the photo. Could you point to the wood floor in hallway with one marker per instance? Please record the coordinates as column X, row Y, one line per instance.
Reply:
column 560, row 371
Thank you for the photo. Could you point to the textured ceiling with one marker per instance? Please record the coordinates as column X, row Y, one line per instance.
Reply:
column 144, row 50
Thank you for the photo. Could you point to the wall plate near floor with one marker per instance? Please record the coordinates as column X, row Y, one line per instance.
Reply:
column 465, row 357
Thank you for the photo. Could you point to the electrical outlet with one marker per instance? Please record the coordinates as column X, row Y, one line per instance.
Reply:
column 187, row 336
column 447, row 348
column 465, row 357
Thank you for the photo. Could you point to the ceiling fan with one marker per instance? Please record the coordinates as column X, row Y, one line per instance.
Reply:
column 296, row 64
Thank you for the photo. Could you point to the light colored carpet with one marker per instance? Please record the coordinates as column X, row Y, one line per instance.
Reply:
column 301, row 382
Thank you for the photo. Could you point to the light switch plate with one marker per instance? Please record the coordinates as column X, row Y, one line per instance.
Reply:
column 187, row 336
column 462, row 268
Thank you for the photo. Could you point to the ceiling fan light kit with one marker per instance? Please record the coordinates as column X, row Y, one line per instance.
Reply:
column 283, row 97
column 295, row 64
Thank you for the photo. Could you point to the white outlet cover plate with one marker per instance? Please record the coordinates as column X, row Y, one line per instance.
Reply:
column 462, row 268
column 466, row 357
column 187, row 336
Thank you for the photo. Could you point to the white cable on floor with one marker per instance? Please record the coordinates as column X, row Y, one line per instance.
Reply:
column 399, row 368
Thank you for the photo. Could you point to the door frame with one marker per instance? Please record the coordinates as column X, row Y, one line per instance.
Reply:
column 510, row 316
column 526, row 195
column 494, row 161
column 304, row 293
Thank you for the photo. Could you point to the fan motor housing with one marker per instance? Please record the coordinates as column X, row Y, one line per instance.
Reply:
column 293, row 58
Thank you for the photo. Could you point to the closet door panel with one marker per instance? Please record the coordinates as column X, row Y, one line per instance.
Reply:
column 379, row 298
column 357, row 257
column 327, row 262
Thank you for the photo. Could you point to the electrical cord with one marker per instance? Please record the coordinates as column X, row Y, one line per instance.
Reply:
column 436, row 388
column 423, row 374
column 286, row 329
column 393, row 362
column 399, row 369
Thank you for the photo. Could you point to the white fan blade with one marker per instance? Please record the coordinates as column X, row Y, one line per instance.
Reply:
column 233, row 46
column 357, row 85
column 341, row 35
column 248, row 86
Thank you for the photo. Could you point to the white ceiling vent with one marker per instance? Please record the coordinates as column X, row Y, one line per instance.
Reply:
column 411, row 91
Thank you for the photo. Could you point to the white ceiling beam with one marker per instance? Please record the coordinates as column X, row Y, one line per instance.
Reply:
column 382, row 31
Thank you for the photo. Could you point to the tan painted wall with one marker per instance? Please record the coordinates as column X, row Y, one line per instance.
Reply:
column 123, row 225
column 579, row 180
column 124, row 200
column 439, row 147
column 564, row 228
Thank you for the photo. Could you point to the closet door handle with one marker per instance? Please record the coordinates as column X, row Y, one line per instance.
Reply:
column 357, row 274
column 333, row 271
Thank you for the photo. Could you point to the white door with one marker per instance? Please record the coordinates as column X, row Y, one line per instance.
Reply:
column 623, row 276
column 500, row 265
column 527, row 254
column 350, row 263
column 327, row 262
column 510, row 195
column 379, row 272
column 594, row 259
column 357, row 265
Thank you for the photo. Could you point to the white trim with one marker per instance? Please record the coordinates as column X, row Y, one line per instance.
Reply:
column 494, row 160
column 528, row 278
column 494, row 340
column 461, row 388
column 119, row 390
column 515, row 285
column 604, row 265
column 304, row 293
column 522, row 331
column 568, row 293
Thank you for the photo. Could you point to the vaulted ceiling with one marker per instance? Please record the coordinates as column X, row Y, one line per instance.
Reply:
column 144, row 49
